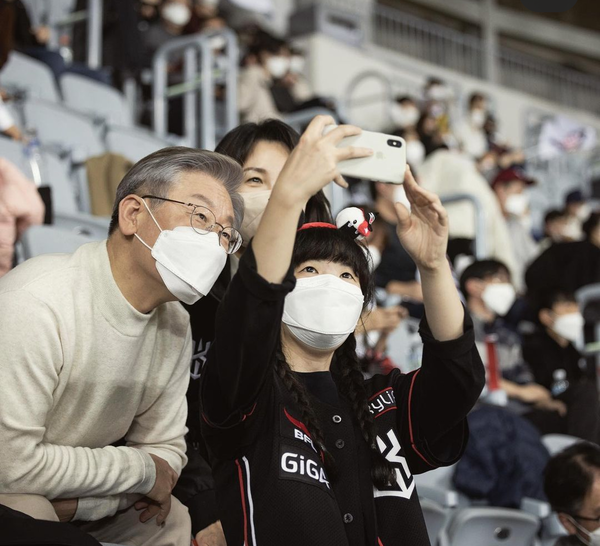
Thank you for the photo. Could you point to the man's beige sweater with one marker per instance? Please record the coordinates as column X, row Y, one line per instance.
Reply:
column 81, row 369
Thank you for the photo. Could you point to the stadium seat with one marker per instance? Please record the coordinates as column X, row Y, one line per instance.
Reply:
column 557, row 442
column 95, row 99
column 68, row 130
column 38, row 240
column 487, row 526
column 435, row 518
column 134, row 144
column 34, row 78
column 14, row 152
column 55, row 173
column 82, row 224
column 436, row 485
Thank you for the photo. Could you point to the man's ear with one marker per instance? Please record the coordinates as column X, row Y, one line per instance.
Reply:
column 475, row 288
column 567, row 523
column 545, row 316
column 129, row 209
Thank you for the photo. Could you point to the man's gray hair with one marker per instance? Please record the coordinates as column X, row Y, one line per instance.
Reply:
column 158, row 172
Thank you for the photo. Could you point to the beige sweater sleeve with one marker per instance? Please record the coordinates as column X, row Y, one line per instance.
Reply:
column 30, row 363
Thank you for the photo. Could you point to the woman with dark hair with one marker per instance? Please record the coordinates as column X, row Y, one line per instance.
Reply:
column 262, row 149
column 304, row 450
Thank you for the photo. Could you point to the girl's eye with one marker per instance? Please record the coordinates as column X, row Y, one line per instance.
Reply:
column 347, row 276
column 310, row 269
column 254, row 180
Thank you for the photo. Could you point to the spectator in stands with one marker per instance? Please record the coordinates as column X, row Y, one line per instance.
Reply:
column 470, row 132
column 510, row 185
column 429, row 134
column 174, row 16
column 405, row 113
column 34, row 42
column 567, row 266
column 277, row 357
column 7, row 123
column 397, row 272
column 577, row 205
column 437, row 97
column 558, row 366
column 415, row 149
column 267, row 62
column 572, row 485
column 96, row 352
column 490, row 295
column 558, row 228
column 20, row 207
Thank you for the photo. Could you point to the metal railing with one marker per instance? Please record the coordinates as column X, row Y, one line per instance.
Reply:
column 481, row 246
column 200, row 78
column 455, row 50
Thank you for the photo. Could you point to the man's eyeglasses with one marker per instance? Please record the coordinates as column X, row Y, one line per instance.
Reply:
column 583, row 518
column 203, row 221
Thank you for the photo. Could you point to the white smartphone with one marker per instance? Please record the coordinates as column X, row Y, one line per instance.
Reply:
column 387, row 164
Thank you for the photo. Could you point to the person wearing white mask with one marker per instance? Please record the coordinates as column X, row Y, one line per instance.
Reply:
column 305, row 450
column 552, row 353
column 572, row 486
column 577, row 209
column 490, row 295
column 405, row 113
column 510, row 186
column 255, row 98
column 96, row 350
column 470, row 132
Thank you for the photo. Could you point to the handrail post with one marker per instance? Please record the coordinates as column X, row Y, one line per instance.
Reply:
column 481, row 250
column 94, row 31
column 232, row 119
column 207, row 96
column 190, row 99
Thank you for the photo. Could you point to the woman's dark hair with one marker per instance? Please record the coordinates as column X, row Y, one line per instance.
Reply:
column 570, row 475
column 239, row 143
column 332, row 245
column 591, row 224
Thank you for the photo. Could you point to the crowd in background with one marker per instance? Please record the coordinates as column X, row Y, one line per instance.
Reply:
column 531, row 331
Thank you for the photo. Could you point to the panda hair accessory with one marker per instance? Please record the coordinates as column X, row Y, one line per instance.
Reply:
column 353, row 222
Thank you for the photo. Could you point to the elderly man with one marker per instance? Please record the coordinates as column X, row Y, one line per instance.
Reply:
column 96, row 349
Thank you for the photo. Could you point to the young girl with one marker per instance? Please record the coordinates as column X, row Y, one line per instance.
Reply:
column 304, row 450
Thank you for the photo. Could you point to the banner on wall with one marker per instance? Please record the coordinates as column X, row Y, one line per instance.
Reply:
column 560, row 135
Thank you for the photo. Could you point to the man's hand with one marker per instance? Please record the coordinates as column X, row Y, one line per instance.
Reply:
column 553, row 405
column 211, row 536
column 65, row 508
column 158, row 501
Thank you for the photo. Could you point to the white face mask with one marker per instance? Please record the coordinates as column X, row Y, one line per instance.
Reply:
column 297, row 64
column 499, row 297
column 278, row 66
column 217, row 43
column 516, row 204
column 188, row 263
column 415, row 153
column 404, row 116
column 593, row 538
column 177, row 14
column 569, row 326
column 478, row 118
column 255, row 204
column 322, row 311
column 583, row 212
column 572, row 231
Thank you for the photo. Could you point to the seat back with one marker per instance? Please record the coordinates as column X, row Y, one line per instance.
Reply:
column 134, row 144
column 59, row 126
column 38, row 240
column 84, row 224
column 435, row 518
column 30, row 76
column 95, row 99
column 488, row 526
column 15, row 153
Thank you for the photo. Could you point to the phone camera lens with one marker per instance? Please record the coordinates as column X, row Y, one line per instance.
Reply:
column 395, row 143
